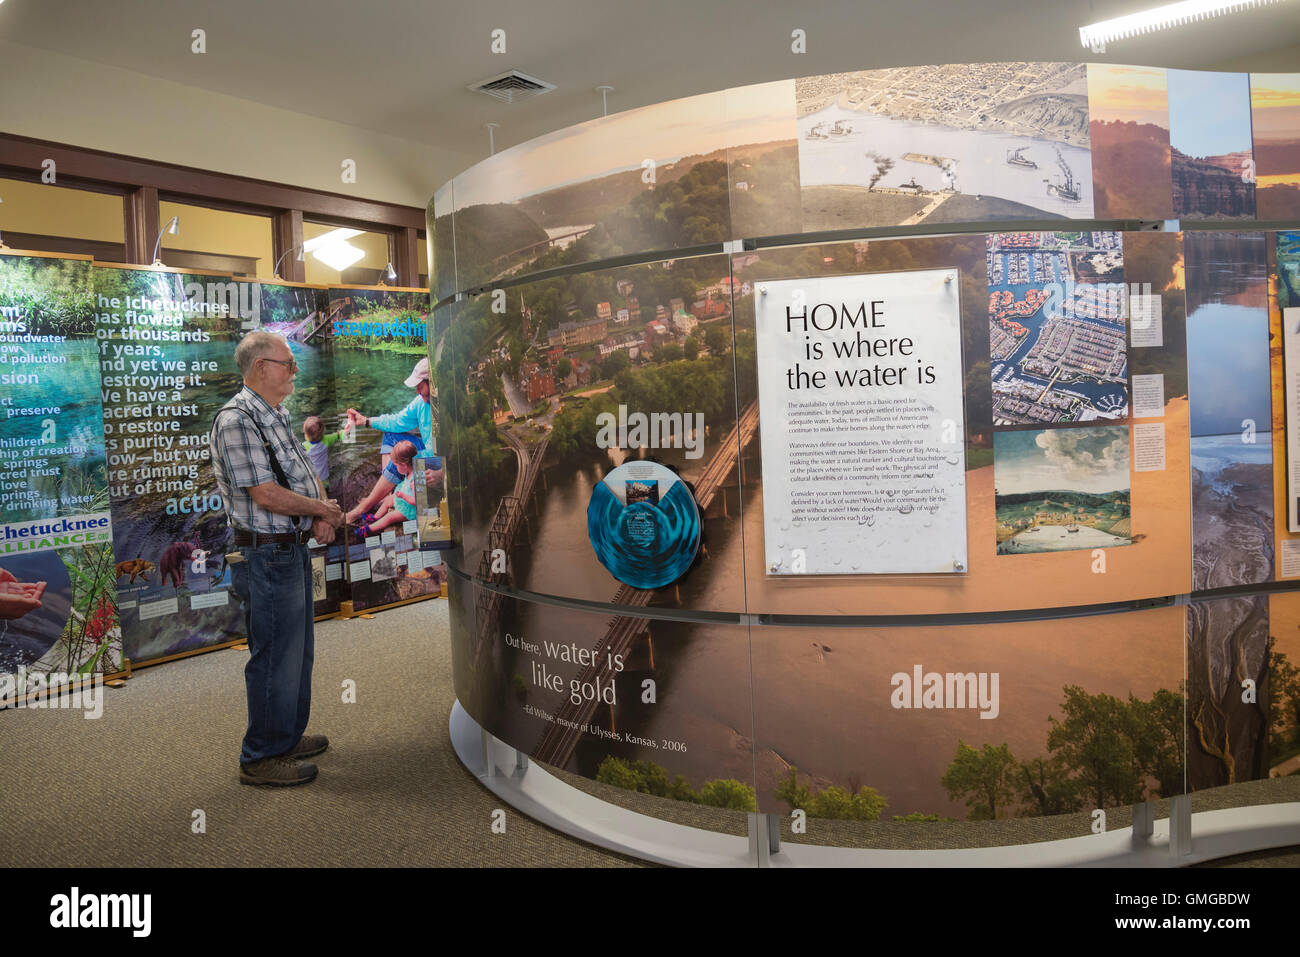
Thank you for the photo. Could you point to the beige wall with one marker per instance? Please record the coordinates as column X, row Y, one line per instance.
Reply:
column 50, row 210
column 215, row 231
column 55, row 97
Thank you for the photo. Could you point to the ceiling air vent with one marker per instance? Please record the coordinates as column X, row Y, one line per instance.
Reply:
column 512, row 86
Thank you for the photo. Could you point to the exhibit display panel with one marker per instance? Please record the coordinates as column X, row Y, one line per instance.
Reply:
column 561, row 390
column 1024, row 455
column 167, row 341
column 656, row 708
column 1128, row 127
column 387, row 476
column 1274, row 102
column 653, row 178
column 299, row 312
column 57, row 593
column 1039, row 418
column 913, row 731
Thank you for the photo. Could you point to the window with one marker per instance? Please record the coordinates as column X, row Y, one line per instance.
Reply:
column 54, row 218
column 366, row 270
column 214, row 239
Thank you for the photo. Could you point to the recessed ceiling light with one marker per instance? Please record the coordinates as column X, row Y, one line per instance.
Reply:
column 1160, row 18
column 339, row 255
column 326, row 239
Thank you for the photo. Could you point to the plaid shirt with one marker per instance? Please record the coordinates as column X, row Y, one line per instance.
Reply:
column 240, row 462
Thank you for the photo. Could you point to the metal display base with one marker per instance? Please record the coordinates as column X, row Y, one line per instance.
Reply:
column 529, row 789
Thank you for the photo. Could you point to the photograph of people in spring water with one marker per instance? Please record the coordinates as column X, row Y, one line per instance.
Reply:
column 379, row 441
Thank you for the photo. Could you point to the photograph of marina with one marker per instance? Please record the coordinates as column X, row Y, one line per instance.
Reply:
column 1210, row 139
column 935, row 144
column 1057, row 327
column 1275, row 123
column 1062, row 489
column 1128, row 107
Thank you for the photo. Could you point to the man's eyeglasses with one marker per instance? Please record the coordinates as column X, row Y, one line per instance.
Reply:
column 290, row 364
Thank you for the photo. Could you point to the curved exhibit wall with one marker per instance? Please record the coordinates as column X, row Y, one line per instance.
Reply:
column 951, row 487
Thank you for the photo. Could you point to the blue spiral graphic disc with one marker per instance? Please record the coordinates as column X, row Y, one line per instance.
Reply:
column 644, row 525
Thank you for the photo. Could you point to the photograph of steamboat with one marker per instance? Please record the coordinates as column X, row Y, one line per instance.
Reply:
column 942, row 146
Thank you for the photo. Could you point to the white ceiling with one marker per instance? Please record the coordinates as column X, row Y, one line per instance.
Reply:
column 401, row 67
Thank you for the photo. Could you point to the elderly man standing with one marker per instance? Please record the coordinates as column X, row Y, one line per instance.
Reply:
column 275, row 504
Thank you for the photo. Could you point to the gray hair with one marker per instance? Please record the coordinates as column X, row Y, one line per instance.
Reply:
column 252, row 347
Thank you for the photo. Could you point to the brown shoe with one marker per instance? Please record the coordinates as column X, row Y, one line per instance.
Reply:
column 308, row 746
column 279, row 771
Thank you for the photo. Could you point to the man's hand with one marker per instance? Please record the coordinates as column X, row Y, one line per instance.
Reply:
column 329, row 513
column 355, row 418
column 432, row 476
column 322, row 531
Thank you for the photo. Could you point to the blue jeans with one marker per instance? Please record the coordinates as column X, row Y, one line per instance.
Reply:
column 274, row 583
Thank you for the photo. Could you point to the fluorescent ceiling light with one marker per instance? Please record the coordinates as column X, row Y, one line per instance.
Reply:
column 1160, row 18
column 326, row 239
column 339, row 255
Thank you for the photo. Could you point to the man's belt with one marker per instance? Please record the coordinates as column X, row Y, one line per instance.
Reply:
column 245, row 539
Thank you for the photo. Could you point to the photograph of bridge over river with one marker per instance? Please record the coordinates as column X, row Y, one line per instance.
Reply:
column 934, row 144
column 642, row 355
column 534, row 385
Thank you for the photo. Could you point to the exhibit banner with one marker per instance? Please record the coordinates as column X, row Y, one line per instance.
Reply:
column 1128, row 109
column 646, row 704
column 1230, row 391
column 1045, row 722
column 58, row 604
column 862, row 423
column 385, row 469
column 166, row 351
column 943, row 144
column 1275, row 126
column 1288, row 302
column 1211, row 145
column 575, row 377
column 300, row 313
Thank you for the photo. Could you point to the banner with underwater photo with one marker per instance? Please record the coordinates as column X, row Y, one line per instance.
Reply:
column 58, row 606
column 166, row 348
column 387, row 476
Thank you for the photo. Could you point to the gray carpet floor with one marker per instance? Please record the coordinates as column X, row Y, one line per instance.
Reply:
column 122, row 791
